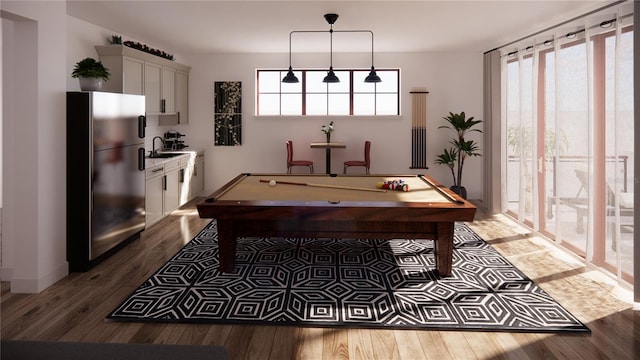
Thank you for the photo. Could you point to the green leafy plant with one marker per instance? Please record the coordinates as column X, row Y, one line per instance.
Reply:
column 455, row 156
column 90, row 68
column 517, row 136
column 115, row 40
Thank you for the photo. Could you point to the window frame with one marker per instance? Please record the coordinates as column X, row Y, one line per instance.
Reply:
column 302, row 75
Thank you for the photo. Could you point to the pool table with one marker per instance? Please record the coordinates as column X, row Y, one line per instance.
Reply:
column 335, row 206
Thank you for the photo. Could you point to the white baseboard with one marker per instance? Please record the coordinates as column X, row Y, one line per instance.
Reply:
column 34, row 286
column 6, row 274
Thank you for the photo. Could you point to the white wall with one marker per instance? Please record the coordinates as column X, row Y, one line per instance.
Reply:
column 34, row 145
column 454, row 81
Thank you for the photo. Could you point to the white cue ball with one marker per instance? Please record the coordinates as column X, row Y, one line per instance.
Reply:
column 272, row 183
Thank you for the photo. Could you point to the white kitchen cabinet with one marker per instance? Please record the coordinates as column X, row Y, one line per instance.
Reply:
column 186, row 169
column 164, row 83
column 182, row 96
column 154, row 208
column 159, row 89
column 133, row 83
column 171, row 186
column 168, row 94
column 153, row 88
column 197, row 177
column 127, row 74
column 171, row 183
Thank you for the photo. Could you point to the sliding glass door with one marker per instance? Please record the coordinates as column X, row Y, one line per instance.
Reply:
column 568, row 110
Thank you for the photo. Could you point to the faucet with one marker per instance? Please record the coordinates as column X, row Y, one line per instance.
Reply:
column 153, row 145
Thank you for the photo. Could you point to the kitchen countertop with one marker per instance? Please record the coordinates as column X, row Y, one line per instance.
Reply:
column 151, row 162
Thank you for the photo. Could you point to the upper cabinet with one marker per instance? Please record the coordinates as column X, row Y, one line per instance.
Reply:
column 182, row 94
column 133, row 83
column 164, row 83
column 153, row 88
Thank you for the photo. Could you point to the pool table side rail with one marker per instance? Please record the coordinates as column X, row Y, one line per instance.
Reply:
column 444, row 191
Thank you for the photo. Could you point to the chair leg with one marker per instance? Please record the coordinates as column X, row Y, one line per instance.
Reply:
column 311, row 169
column 288, row 169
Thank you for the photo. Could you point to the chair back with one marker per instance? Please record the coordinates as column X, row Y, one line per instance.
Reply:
column 367, row 151
column 289, row 151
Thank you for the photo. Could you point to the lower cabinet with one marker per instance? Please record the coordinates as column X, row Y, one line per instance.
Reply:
column 154, row 199
column 186, row 169
column 172, row 184
column 197, row 177
column 171, row 187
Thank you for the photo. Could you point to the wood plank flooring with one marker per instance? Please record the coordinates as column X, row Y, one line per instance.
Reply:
column 74, row 309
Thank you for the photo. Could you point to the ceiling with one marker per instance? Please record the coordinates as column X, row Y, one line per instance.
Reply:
column 205, row 27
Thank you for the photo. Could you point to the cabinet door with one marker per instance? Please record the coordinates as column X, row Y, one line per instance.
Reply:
column 182, row 96
column 152, row 89
column 169, row 90
column 133, row 76
column 197, row 178
column 171, row 191
column 185, row 182
column 153, row 200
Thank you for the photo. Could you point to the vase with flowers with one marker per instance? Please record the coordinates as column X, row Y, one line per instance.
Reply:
column 327, row 130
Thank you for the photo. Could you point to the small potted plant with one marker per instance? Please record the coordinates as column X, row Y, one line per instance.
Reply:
column 455, row 156
column 90, row 73
column 115, row 40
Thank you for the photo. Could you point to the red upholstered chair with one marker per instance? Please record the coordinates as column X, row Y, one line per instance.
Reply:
column 367, row 159
column 291, row 163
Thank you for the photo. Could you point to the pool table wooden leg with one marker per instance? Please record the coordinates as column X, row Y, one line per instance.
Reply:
column 444, row 248
column 226, row 245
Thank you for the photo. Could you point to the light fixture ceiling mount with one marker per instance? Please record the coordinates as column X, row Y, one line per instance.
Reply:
column 331, row 18
column 331, row 76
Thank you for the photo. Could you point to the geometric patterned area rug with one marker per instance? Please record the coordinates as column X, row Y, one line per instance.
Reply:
column 346, row 283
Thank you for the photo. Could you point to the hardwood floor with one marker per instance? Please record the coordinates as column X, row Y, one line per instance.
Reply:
column 74, row 309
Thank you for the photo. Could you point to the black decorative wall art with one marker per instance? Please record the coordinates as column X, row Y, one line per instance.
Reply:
column 228, row 113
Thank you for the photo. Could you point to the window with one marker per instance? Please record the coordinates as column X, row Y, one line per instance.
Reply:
column 570, row 145
column 310, row 96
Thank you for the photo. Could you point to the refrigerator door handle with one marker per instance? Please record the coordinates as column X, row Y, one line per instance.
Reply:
column 142, row 124
column 141, row 163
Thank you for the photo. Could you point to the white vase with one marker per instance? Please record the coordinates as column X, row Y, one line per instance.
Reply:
column 90, row 84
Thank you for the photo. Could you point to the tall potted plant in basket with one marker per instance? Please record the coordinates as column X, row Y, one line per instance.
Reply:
column 461, row 148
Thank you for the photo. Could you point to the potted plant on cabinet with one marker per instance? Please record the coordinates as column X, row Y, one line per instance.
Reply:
column 455, row 156
column 90, row 73
column 115, row 40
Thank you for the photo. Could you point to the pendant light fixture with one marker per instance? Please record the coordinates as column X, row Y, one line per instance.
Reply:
column 290, row 78
column 331, row 76
column 372, row 77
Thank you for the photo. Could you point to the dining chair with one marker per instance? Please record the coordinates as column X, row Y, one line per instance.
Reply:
column 291, row 163
column 367, row 159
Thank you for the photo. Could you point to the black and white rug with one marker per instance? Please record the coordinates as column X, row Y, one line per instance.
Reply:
column 346, row 283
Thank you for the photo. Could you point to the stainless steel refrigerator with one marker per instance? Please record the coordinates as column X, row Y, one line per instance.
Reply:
column 105, row 174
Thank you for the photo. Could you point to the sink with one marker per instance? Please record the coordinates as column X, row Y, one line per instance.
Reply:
column 164, row 155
